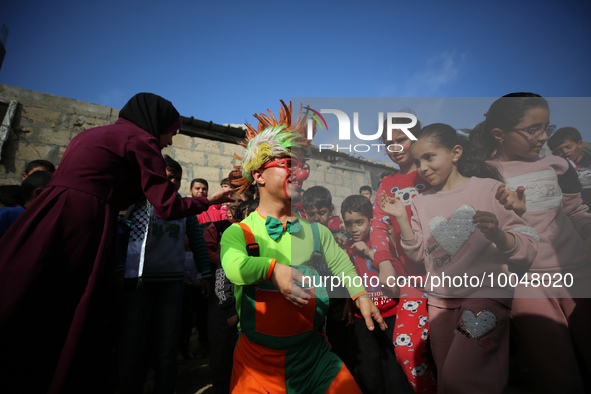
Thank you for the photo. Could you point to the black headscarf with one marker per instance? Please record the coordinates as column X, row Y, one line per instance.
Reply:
column 152, row 113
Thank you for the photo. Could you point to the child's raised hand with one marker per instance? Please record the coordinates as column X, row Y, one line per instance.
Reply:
column 392, row 206
column 362, row 247
column 488, row 224
column 341, row 241
column 512, row 200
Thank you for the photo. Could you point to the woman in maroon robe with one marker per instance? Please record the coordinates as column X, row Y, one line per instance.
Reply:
column 56, row 260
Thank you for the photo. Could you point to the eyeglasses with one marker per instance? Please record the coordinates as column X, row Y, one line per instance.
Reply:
column 539, row 131
column 290, row 165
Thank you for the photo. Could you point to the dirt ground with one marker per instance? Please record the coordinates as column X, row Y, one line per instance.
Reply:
column 194, row 375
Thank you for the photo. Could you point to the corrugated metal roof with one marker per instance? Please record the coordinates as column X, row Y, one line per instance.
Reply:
column 212, row 131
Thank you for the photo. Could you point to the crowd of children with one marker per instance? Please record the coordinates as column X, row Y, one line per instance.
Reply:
column 487, row 207
column 447, row 210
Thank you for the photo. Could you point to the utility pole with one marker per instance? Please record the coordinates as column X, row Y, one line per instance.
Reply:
column 3, row 37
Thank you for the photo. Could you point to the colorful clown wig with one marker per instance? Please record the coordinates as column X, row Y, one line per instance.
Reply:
column 272, row 138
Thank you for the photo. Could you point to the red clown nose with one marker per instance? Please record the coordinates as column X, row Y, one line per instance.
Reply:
column 301, row 175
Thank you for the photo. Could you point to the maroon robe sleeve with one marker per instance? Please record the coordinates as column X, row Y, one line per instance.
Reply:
column 168, row 205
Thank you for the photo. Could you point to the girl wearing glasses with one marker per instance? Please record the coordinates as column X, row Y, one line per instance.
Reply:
column 549, row 314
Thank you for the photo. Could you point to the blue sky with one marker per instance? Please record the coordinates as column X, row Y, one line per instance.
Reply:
column 460, row 112
column 225, row 60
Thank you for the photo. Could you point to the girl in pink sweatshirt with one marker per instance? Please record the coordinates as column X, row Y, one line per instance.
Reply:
column 468, row 242
column 551, row 312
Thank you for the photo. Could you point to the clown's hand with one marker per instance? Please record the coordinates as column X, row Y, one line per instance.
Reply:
column 284, row 279
column 370, row 312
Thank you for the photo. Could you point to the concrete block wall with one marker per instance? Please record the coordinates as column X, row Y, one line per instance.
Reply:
column 43, row 127
column 202, row 158
column 45, row 124
column 340, row 182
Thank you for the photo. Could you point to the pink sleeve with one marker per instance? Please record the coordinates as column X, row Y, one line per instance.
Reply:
column 573, row 206
column 379, row 232
column 526, row 238
column 161, row 193
column 414, row 247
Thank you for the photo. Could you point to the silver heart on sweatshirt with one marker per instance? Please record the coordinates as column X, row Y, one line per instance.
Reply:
column 480, row 324
column 452, row 234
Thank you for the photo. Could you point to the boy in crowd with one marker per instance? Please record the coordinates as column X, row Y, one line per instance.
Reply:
column 366, row 191
column 152, row 310
column 280, row 348
column 317, row 204
column 225, row 185
column 568, row 143
column 30, row 188
column 33, row 185
column 37, row 165
column 200, row 188
column 378, row 370
column 318, row 207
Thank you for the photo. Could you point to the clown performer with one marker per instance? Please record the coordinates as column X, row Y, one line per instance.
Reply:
column 280, row 349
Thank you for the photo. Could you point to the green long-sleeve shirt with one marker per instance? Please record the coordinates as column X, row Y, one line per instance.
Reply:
column 294, row 249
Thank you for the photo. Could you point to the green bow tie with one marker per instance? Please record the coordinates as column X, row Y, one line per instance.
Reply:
column 275, row 227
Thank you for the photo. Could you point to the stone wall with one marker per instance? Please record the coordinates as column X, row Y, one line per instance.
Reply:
column 42, row 128
column 44, row 125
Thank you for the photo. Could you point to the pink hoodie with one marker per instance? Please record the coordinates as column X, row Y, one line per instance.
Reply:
column 447, row 242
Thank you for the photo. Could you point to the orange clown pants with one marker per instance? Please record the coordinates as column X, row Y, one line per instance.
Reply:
column 309, row 368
